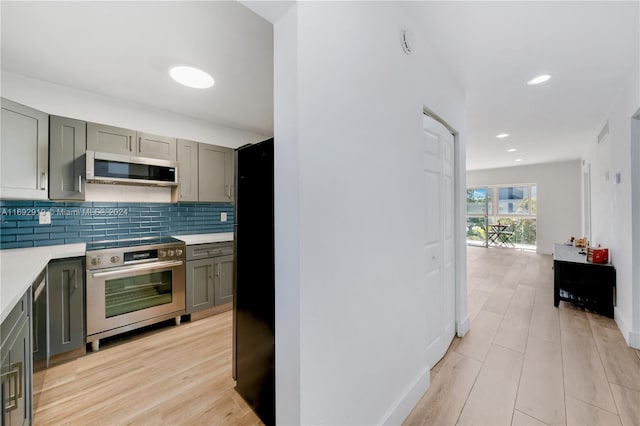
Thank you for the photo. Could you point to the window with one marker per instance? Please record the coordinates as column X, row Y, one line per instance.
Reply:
column 512, row 205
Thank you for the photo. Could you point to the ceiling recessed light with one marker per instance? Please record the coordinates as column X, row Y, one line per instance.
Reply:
column 502, row 135
column 518, row 160
column 191, row 77
column 511, row 150
column 539, row 79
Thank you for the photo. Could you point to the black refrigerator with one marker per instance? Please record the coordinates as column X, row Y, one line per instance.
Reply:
column 254, row 280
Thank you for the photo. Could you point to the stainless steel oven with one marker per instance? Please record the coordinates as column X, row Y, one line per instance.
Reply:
column 133, row 283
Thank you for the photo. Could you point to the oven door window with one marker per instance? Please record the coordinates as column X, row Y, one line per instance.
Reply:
column 130, row 294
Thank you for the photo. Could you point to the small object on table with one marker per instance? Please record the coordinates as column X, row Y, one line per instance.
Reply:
column 581, row 243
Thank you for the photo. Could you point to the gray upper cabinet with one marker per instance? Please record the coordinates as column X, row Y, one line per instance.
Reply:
column 116, row 140
column 66, row 305
column 67, row 145
column 111, row 139
column 215, row 172
column 188, row 170
column 24, row 150
column 156, row 147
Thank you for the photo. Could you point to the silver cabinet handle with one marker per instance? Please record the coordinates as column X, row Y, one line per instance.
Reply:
column 14, row 377
column 146, row 267
column 43, row 181
column 139, row 144
column 229, row 191
column 79, row 183
column 129, row 142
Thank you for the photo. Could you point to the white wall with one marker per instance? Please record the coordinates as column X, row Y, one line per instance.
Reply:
column 68, row 102
column 612, row 220
column 348, row 131
column 559, row 197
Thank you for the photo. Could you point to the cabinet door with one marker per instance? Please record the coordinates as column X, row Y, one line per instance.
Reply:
column 66, row 305
column 16, row 376
column 156, row 147
column 67, row 145
column 24, row 150
column 111, row 139
column 215, row 173
column 224, row 280
column 199, row 286
column 188, row 170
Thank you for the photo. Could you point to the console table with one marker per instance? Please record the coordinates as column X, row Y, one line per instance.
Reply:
column 575, row 280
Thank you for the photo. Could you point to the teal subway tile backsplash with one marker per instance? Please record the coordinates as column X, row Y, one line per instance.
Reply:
column 73, row 222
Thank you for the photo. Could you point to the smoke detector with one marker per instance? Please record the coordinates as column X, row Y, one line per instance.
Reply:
column 406, row 38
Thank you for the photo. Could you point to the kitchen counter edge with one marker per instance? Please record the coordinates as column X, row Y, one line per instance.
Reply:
column 20, row 267
column 205, row 238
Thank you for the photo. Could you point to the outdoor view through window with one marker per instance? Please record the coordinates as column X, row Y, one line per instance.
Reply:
column 502, row 216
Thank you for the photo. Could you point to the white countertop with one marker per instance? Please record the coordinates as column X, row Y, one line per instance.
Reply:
column 205, row 238
column 20, row 267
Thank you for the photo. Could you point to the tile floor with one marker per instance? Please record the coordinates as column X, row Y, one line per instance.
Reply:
column 525, row 362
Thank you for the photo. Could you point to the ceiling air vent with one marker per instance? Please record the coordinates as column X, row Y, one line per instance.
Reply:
column 603, row 133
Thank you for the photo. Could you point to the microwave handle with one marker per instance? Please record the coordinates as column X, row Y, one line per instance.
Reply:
column 153, row 265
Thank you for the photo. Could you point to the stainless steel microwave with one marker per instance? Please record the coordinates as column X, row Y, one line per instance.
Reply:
column 103, row 167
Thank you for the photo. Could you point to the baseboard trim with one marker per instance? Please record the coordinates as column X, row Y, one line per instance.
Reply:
column 634, row 339
column 463, row 327
column 403, row 406
column 631, row 337
column 211, row 311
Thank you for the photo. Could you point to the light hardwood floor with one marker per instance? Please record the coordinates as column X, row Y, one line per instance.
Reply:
column 171, row 376
column 525, row 362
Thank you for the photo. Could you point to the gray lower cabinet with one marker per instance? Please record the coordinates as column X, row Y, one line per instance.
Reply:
column 187, row 154
column 224, row 283
column 215, row 173
column 67, row 146
column 199, row 285
column 65, row 280
column 209, row 275
column 15, row 354
column 116, row 140
column 24, row 151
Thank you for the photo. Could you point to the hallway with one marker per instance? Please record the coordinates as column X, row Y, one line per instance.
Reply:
column 525, row 362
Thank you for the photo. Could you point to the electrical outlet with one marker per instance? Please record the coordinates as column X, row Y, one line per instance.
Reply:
column 223, row 217
column 44, row 218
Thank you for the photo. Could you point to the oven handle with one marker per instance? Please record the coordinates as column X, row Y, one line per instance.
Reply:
column 154, row 265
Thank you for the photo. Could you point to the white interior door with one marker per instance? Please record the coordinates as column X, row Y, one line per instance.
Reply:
column 439, row 237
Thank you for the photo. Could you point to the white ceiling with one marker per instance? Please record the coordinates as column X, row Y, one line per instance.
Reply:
column 124, row 49
column 494, row 48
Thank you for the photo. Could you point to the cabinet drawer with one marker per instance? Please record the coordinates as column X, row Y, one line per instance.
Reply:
column 202, row 251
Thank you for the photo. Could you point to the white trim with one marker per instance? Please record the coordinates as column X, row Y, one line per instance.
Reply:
column 634, row 334
column 403, row 405
column 634, row 339
column 631, row 337
column 463, row 327
column 460, row 215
